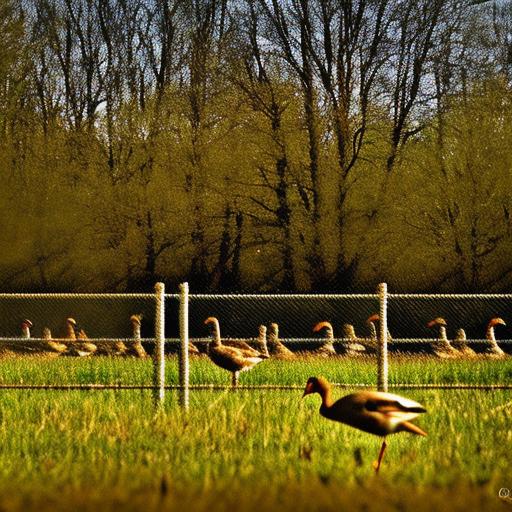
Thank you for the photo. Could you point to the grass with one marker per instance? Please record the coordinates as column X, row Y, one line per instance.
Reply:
column 247, row 450
column 104, row 370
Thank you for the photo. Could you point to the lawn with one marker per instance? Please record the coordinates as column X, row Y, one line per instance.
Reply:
column 247, row 450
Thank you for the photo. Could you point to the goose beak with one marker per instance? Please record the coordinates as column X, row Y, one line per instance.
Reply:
column 308, row 390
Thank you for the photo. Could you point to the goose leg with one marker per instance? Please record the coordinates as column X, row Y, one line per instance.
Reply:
column 376, row 464
column 234, row 380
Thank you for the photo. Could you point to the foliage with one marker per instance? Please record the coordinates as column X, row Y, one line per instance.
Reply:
column 142, row 142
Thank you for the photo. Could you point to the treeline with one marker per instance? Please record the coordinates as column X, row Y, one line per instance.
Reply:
column 256, row 144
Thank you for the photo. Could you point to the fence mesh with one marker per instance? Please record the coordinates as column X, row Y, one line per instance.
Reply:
column 107, row 317
column 241, row 315
column 100, row 316
column 467, row 317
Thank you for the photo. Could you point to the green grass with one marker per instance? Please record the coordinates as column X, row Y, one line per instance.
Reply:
column 104, row 370
column 246, row 450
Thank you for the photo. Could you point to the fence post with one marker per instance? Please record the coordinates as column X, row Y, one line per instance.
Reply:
column 183, row 361
column 382, row 358
column 159, row 354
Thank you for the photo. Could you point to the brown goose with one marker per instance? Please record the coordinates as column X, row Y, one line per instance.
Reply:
column 232, row 359
column 327, row 349
column 375, row 412
column 373, row 329
column 70, row 329
column 135, row 347
column 261, row 340
column 494, row 350
column 355, row 346
column 442, row 347
column 275, row 346
column 459, row 344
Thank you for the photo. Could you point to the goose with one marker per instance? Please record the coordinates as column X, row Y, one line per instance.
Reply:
column 373, row 329
column 459, row 344
column 51, row 344
column 356, row 346
column 192, row 349
column 135, row 348
column 374, row 412
column 442, row 347
column 275, row 346
column 70, row 329
column 26, row 325
column 232, row 359
column 18, row 347
column 327, row 349
column 494, row 350
column 261, row 340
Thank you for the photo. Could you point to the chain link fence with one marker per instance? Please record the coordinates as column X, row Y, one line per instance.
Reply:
column 445, row 326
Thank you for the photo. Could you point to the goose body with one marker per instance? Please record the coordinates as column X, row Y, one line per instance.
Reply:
column 374, row 412
column 51, row 344
column 355, row 346
column 232, row 359
column 459, row 344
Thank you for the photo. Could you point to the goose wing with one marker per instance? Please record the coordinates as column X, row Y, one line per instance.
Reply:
column 233, row 359
column 389, row 403
column 240, row 345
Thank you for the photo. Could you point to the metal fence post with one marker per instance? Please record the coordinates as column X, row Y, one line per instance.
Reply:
column 184, row 342
column 159, row 354
column 382, row 358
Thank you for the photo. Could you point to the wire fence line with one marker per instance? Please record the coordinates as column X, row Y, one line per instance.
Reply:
column 247, row 387
column 171, row 320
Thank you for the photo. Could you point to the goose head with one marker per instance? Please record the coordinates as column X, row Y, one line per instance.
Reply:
column 439, row 321
column 373, row 318
column 136, row 320
column 316, row 385
column 496, row 321
column 323, row 325
column 26, row 324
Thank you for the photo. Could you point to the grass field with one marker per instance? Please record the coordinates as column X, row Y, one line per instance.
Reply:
column 247, row 450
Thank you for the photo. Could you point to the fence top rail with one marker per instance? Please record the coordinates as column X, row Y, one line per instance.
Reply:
column 449, row 295
column 77, row 295
column 70, row 341
column 283, row 296
column 264, row 296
